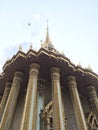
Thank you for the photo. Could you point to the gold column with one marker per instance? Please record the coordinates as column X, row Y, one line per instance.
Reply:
column 80, row 119
column 58, row 121
column 28, row 120
column 4, row 98
column 11, row 102
column 93, row 99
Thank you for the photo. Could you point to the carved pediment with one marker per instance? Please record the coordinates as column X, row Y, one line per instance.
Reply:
column 92, row 121
column 47, row 115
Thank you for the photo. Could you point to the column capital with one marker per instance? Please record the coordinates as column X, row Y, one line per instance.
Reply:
column 18, row 75
column 17, row 78
column 34, row 69
column 91, row 92
column 71, row 81
column 71, row 78
column 8, row 85
column 7, row 88
column 34, row 66
column 55, row 73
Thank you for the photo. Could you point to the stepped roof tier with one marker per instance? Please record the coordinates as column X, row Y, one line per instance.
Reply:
column 47, row 56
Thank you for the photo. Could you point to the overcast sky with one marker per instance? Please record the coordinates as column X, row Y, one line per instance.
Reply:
column 73, row 28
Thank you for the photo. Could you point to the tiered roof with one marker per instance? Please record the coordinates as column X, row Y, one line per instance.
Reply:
column 47, row 56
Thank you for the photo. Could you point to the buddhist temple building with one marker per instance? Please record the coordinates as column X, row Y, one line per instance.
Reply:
column 44, row 90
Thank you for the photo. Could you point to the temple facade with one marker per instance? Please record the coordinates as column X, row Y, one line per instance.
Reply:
column 44, row 90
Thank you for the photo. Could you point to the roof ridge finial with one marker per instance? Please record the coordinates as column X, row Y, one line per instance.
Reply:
column 30, row 45
column 20, row 47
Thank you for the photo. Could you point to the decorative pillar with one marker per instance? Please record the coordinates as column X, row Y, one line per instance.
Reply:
column 28, row 120
column 80, row 119
column 93, row 99
column 11, row 102
column 4, row 98
column 58, row 121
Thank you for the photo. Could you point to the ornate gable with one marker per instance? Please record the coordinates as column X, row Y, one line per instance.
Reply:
column 92, row 121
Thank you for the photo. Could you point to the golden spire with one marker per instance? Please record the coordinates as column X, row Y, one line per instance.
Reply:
column 47, row 44
column 47, row 35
